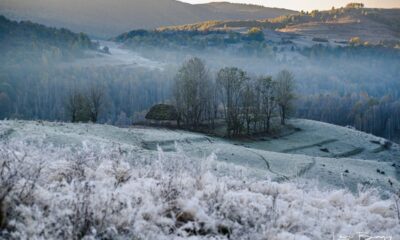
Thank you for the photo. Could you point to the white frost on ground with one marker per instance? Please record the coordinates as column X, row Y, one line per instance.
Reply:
column 314, row 136
column 262, row 157
column 99, row 181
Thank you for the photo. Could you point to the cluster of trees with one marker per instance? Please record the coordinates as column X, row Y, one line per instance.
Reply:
column 86, row 106
column 245, row 103
column 388, row 44
column 355, row 5
column 357, row 49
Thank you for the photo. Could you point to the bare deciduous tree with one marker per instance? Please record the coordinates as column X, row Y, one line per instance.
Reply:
column 76, row 106
column 230, row 82
column 85, row 107
column 248, row 103
column 284, row 93
column 267, row 91
column 191, row 92
column 95, row 99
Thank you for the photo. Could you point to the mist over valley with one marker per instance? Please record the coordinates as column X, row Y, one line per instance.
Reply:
column 169, row 120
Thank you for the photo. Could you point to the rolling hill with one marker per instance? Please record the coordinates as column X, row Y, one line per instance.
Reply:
column 372, row 25
column 105, row 18
column 243, row 11
column 97, row 181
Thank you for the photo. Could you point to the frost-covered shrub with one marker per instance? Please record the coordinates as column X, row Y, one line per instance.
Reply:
column 18, row 180
column 397, row 203
column 122, row 193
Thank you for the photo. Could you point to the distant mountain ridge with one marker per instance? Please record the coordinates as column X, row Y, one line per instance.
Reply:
column 244, row 11
column 104, row 18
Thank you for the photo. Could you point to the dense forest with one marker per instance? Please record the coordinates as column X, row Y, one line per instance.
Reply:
column 30, row 52
column 23, row 43
column 43, row 93
column 194, row 40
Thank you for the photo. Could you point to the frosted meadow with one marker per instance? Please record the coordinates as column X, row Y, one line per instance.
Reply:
column 117, row 191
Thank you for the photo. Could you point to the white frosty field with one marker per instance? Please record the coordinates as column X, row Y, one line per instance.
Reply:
column 73, row 181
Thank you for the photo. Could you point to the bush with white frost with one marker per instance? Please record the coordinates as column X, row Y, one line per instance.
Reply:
column 61, row 193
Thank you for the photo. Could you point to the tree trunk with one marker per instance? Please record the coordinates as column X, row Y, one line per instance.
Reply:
column 268, row 124
column 283, row 115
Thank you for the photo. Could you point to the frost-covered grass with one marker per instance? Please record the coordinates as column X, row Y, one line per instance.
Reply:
column 53, row 192
column 336, row 172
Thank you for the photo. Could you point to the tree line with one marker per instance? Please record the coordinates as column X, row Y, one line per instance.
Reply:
column 246, row 104
column 45, row 93
column 378, row 116
column 195, row 39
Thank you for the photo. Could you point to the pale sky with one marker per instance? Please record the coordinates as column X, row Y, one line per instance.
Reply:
column 309, row 4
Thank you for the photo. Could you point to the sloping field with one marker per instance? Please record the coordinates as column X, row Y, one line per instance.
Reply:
column 326, row 140
column 344, row 30
column 332, row 155
column 84, row 181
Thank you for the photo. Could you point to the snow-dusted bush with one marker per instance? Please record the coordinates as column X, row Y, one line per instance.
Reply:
column 116, row 193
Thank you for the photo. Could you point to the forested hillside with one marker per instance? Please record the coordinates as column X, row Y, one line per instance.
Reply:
column 192, row 39
column 30, row 43
column 29, row 55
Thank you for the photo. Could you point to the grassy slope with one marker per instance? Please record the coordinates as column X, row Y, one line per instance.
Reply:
column 369, row 24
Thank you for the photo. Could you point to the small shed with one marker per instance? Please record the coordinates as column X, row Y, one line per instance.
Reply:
column 162, row 114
